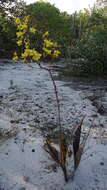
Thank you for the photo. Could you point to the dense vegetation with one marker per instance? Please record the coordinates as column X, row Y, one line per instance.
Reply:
column 82, row 36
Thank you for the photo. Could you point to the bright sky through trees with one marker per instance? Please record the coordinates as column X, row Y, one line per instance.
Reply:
column 69, row 5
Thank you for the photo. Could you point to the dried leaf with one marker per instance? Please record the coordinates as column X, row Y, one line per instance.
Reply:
column 64, row 150
column 76, row 145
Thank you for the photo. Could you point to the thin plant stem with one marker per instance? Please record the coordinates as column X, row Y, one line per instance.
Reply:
column 58, row 103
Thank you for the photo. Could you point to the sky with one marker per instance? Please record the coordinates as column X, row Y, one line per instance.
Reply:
column 69, row 5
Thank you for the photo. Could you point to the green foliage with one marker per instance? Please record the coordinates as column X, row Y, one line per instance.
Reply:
column 46, row 17
column 5, row 5
column 12, row 8
column 101, row 3
column 89, row 39
column 94, row 48
column 7, row 37
column 79, row 35
column 27, row 53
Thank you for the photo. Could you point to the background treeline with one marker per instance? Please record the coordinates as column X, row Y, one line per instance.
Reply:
column 82, row 36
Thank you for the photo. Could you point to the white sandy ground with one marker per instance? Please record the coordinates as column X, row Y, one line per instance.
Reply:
column 24, row 165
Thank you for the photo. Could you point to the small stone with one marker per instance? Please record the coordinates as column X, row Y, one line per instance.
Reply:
column 101, row 110
column 102, row 163
column 1, row 96
column 101, row 125
column 24, row 129
column 33, row 150
column 26, row 178
column 12, row 99
column 94, row 115
column 94, row 137
column 37, row 105
column 54, row 168
column 14, row 121
column 96, row 180
column 40, row 107
column 22, row 188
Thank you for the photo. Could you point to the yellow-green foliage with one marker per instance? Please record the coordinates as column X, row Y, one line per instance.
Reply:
column 23, row 33
column 15, row 57
column 31, row 54
column 24, row 30
column 49, row 47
